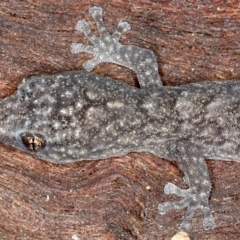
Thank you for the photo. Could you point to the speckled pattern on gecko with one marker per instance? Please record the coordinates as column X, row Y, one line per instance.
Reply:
column 78, row 115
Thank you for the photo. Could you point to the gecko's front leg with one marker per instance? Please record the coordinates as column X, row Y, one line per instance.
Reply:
column 107, row 48
column 190, row 159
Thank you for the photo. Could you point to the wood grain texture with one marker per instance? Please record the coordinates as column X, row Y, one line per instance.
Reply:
column 114, row 198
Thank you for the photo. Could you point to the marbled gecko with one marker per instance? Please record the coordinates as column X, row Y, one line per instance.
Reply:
column 73, row 116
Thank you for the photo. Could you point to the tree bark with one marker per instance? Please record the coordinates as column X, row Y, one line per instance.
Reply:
column 115, row 198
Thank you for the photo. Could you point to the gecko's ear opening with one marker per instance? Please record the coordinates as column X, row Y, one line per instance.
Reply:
column 33, row 141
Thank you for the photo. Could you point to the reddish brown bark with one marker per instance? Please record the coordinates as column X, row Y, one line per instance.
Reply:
column 113, row 198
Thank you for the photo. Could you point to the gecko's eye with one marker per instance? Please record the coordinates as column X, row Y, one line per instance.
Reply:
column 33, row 142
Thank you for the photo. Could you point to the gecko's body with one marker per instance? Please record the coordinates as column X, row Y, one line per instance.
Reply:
column 78, row 115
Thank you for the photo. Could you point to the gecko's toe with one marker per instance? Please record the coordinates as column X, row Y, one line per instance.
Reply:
column 163, row 208
column 208, row 222
column 186, row 226
column 95, row 9
column 73, row 48
column 88, row 66
column 82, row 26
column 125, row 26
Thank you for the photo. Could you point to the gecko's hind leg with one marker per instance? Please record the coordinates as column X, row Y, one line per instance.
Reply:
column 196, row 196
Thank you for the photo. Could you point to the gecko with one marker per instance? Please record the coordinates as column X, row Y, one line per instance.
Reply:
column 78, row 115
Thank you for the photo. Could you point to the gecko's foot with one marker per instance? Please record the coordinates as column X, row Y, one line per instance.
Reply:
column 107, row 48
column 192, row 201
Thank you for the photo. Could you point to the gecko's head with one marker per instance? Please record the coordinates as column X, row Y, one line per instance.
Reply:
column 23, row 117
column 38, row 118
column 63, row 117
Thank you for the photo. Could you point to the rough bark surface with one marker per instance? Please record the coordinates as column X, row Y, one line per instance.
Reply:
column 114, row 198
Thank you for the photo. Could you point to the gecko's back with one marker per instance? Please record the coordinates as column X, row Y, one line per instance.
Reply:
column 208, row 114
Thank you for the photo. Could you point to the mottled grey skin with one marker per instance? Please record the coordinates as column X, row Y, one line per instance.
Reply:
column 84, row 116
